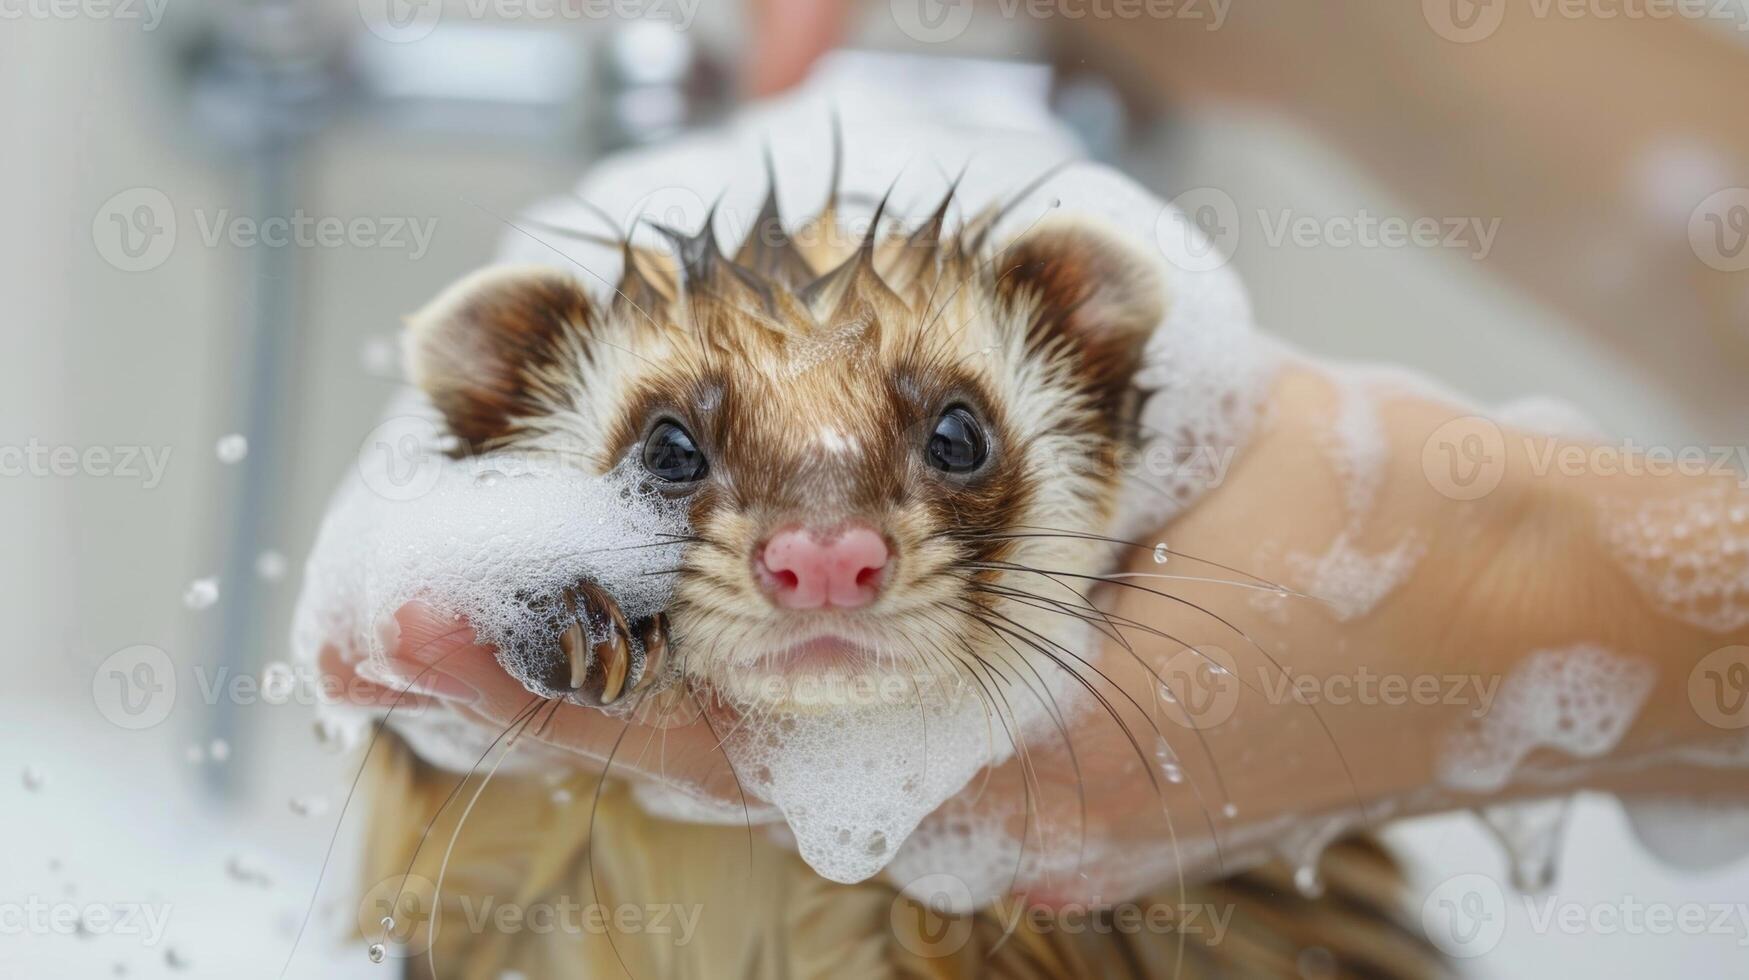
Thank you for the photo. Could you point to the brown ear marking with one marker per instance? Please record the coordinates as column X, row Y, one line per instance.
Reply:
column 479, row 349
column 1087, row 292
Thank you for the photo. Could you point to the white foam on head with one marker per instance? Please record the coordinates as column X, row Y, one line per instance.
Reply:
column 1579, row 700
column 1689, row 554
column 1205, row 367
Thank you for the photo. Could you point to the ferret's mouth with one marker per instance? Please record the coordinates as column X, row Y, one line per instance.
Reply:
column 824, row 653
column 830, row 670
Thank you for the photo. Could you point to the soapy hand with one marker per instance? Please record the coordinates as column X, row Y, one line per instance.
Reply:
column 439, row 665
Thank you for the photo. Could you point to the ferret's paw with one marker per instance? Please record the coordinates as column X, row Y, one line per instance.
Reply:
column 602, row 658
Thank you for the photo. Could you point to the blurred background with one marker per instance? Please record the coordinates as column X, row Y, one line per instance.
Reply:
column 185, row 377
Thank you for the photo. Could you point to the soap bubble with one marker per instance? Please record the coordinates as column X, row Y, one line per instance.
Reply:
column 270, row 565
column 201, row 593
column 231, row 448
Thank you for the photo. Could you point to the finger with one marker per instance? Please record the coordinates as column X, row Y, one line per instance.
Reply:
column 670, row 741
column 349, row 681
column 789, row 36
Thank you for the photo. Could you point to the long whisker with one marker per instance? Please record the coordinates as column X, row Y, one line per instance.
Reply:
column 461, row 822
column 340, row 821
column 1317, row 715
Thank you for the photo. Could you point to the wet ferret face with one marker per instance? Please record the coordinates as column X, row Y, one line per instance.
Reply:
column 885, row 447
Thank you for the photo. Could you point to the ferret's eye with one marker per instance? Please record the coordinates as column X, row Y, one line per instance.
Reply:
column 671, row 455
column 957, row 445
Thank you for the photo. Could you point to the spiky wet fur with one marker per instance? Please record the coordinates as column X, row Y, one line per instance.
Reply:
column 811, row 367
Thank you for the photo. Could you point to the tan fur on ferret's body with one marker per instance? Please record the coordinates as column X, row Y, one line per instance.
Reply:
column 759, row 911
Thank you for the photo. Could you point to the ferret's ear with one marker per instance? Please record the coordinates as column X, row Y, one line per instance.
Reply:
column 478, row 349
column 1088, row 288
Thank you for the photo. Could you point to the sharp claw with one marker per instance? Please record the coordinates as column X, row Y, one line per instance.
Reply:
column 615, row 656
column 575, row 645
column 626, row 658
column 653, row 632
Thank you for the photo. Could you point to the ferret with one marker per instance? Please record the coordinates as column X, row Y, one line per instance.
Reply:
column 876, row 437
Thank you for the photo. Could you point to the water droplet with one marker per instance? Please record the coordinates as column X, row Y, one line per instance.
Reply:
column 195, row 754
column 231, row 448
column 308, row 806
column 201, row 593
column 219, row 750
column 388, row 924
column 1316, row 963
column 377, row 951
column 270, row 565
column 175, row 960
column 278, row 681
column 1532, row 834
column 380, row 356
column 1161, row 553
column 241, row 871
column 33, row 779
column 1230, row 811
column 1740, row 515
column 1307, row 882
column 1172, row 772
column 562, row 796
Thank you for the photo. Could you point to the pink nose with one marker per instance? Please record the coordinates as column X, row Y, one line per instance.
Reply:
column 807, row 571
